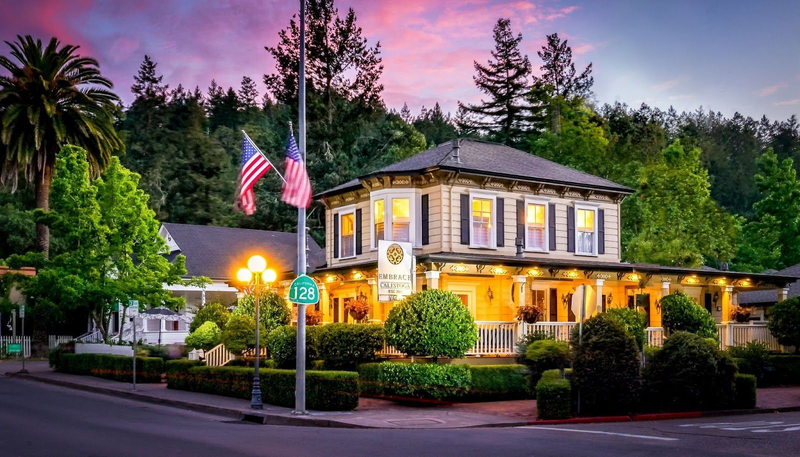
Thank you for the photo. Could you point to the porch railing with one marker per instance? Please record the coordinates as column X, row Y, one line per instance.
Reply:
column 495, row 338
column 55, row 340
column 560, row 331
column 655, row 336
column 218, row 356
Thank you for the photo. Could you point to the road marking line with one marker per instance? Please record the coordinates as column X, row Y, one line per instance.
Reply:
column 729, row 424
column 598, row 432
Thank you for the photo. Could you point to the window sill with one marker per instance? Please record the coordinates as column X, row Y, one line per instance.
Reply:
column 484, row 248
column 346, row 258
column 538, row 251
column 583, row 254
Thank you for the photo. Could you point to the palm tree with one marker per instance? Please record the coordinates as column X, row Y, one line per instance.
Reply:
column 52, row 97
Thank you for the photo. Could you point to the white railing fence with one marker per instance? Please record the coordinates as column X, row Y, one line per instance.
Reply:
column 90, row 337
column 55, row 340
column 741, row 334
column 6, row 340
column 655, row 336
column 560, row 331
column 495, row 338
column 218, row 356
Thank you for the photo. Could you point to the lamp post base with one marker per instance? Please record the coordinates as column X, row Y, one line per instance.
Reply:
column 23, row 371
column 255, row 399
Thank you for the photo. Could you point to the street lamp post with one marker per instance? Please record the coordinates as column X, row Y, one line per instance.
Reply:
column 256, row 274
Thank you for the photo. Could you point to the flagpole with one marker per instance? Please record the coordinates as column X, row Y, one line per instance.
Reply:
column 264, row 156
column 300, row 382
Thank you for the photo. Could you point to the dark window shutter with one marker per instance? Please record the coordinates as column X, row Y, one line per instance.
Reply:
column 570, row 229
column 465, row 215
column 601, row 231
column 551, row 221
column 336, row 236
column 501, row 229
column 359, row 231
column 425, row 220
column 521, row 221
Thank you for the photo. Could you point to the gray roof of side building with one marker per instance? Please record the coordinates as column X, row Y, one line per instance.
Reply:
column 218, row 252
column 490, row 159
column 771, row 296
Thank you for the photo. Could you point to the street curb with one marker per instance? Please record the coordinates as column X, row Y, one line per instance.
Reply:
column 664, row 416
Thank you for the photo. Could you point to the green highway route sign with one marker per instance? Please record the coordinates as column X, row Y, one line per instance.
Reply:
column 304, row 291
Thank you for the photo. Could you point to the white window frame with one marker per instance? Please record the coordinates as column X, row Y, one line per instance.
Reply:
column 414, row 209
column 546, row 204
column 473, row 194
column 350, row 209
column 586, row 207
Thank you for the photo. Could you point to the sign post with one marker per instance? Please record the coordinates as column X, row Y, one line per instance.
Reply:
column 134, row 305
column 302, row 292
column 22, row 315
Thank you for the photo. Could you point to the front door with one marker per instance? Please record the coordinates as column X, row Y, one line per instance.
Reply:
column 336, row 309
column 553, row 305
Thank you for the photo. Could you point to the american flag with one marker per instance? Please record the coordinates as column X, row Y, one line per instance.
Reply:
column 254, row 166
column 297, row 187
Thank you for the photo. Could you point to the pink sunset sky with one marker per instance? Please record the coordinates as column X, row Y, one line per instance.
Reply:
column 728, row 56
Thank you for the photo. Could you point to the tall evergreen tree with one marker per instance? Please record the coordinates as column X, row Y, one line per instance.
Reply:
column 248, row 93
column 435, row 125
column 507, row 115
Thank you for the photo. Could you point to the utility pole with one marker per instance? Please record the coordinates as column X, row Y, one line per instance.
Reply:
column 300, row 381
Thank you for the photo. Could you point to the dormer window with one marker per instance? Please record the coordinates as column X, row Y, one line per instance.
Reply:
column 391, row 215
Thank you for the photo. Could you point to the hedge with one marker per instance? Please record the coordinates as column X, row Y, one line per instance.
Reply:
column 415, row 380
column 553, row 398
column 114, row 367
column 325, row 390
column 776, row 370
column 745, row 391
column 345, row 346
column 178, row 372
column 499, row 382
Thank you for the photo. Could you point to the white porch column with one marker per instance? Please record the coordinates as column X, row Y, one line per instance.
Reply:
column 432, row 279
column 519, row 282
column 599, row 293
column 324, row 300
column 783, row 294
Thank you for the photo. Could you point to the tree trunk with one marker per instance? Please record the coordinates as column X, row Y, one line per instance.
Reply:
column 42, row 191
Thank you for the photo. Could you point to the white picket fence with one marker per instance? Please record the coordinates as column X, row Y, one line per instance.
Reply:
column 6, row 340
column 55, row 340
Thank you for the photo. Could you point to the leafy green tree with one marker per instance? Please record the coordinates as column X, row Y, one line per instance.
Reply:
column 273, row 310
column 109, row 250
column 212, row 312
column 784, row 322
column 52, row 97
column 205, row 337
column 581, row 144
column 507, row 115
column 240, row 334
column 770, row 239
column 17, row 226
column 681, row 224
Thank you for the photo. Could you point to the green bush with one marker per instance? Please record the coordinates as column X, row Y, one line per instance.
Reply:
column 54, row 356
column 248, row 362
column 745, row 391
column 212, row 312
column 205, row 337
column 530, row 338
column 635, row 322
column 325, row 390
column 786, row 371
column 178, row 372
column 545, row 355
column 114, row 367
column 553, row 398
column 784, row 322
column 498, row 382
column 346, row 346
column 753, row 358
column 650, row 352
column 166, row 352
column 776, row 370
column 689, row 374
column 240, row 334
column 680, row 313
column 415, row 380
column 606, row 367
column 273, row 311
column 281, row 345
column 433, row 323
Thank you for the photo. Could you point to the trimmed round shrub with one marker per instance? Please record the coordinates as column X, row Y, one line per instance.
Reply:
column 345, row 346
column 240, row 334
column 273, row 311
column 213, row 312
column 784, row 322
column 680, row 313
column 689, row 373
column 433, row 323
column 530, row 338
column 205, row 337
column 282, row 346
column 634, row 321
column 605, row 367
column 546, row 355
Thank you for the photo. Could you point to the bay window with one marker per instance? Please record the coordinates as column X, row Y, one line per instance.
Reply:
column 535, row 226
column 347, row 234
column 482, row 222
column 585, row 231
column 378, row 218
column 391, row 215
column 401, row 220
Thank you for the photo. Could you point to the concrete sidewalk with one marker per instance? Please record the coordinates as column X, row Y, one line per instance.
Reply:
column 371, row 413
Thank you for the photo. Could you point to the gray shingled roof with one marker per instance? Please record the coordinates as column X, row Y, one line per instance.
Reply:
column 218, row 252
column 771, row 296
column 491, row 159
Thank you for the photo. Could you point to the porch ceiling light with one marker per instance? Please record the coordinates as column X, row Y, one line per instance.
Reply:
column 573, row 274
column 692, row 280
column 358, row 275
column 633, row 277
column 498, row 271
column 534, row 272
column 720, row 281
column 745, row 283
column 461, row 268
column 331, row 278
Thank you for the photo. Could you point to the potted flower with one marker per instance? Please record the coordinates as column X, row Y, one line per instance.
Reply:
column 313, row 317
column 358, row 307
column 740, row 314
column 529, row 313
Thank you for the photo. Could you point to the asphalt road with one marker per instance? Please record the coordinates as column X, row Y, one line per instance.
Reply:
column 43, row 420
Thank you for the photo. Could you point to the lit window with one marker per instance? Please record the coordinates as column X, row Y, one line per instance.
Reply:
column 585, row 227
column 538, row 299
column 401, row 222
column 535, row 227
column 482, row 222
column 379, row 216
column 348, row 236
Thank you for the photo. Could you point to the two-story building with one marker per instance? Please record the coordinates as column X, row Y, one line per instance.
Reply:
column 500, row 227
